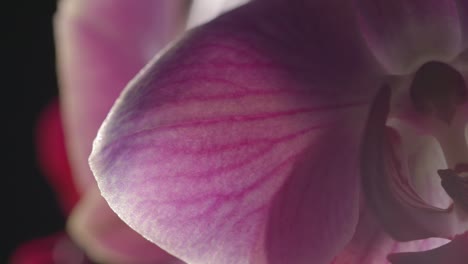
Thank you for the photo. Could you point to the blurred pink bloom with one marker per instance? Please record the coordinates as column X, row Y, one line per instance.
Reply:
column 282, row 132
column 52, row 158
column 54, row 249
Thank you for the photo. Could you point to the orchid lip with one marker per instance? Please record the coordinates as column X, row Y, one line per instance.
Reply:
column 387, row 180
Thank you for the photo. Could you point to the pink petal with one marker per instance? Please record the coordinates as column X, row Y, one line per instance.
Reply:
column 241, row 144
column 101, row 45
column 404, row 34
column 106, row 238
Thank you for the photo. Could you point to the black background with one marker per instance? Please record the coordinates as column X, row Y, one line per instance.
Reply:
column 28, row 209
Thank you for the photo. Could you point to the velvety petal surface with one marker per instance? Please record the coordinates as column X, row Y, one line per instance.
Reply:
column 403, row 34
column 241, row 144
column 101, row 45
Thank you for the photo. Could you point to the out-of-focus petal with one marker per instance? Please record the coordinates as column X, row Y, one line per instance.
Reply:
column 241, row 144
column 54, row 249
column 371, row 244
column 404, row 34
column 203, row 11
column 106, row 238
column 52, row 156
column 101, row 45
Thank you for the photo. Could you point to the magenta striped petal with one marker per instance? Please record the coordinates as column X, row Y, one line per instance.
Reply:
column 403, row 34
column 241, row 144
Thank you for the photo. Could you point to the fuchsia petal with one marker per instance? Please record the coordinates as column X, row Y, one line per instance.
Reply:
column 101, row 45
column 403, row 34
column 241, row 144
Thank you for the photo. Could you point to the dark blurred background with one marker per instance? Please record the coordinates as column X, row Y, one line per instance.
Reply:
column 29, row 209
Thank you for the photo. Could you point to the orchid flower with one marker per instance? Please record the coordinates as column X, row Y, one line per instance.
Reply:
column 292, row 131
